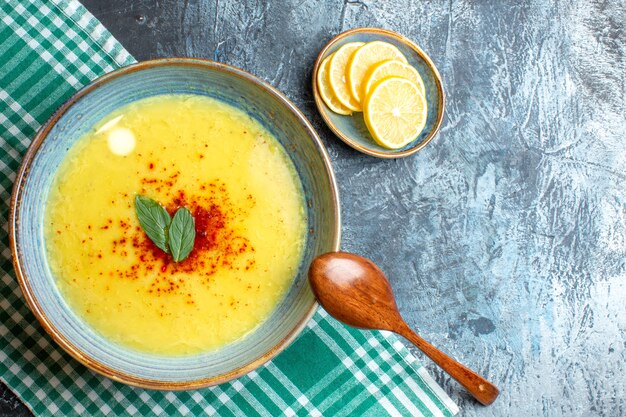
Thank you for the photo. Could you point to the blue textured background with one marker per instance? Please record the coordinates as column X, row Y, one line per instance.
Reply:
column 505, row 239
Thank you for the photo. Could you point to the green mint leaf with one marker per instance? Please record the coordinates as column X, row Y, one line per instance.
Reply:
column 182, row 234
column 154, row 220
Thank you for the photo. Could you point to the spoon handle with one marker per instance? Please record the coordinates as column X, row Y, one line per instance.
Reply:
column 481, row 389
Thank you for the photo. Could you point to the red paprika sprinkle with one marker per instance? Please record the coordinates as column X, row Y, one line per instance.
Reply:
column 217, row 245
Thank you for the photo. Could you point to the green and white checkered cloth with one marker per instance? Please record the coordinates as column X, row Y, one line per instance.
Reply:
column 48, row 50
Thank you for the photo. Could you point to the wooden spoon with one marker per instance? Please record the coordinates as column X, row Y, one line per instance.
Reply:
column 355, row 291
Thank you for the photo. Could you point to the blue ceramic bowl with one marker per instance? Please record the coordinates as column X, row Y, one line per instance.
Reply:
column 352, row 129
column 76, row 117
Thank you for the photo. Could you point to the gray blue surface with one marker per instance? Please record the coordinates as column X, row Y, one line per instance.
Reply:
column 505, row 239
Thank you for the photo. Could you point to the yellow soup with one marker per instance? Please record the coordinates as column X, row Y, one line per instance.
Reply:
column 182, row 151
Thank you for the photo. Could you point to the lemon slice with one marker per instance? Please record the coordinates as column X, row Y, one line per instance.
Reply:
column 395, row 112
column 337, row 75
column 391, row 68
column 362, row 60
column 323, row 86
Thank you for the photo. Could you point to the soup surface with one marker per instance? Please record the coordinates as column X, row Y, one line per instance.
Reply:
column 182, row 151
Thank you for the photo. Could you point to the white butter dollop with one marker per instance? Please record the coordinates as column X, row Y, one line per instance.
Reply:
column 121, row 141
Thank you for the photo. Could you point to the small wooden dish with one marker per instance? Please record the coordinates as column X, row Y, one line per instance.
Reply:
column 352, row 129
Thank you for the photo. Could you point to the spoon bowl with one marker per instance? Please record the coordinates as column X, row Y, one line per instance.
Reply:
column 334, row 274
column 356, row 292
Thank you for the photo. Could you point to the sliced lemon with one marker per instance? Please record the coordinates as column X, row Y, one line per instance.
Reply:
column 362, row 60
column 391, row 68
column 395, row 112
column 337, row 75
column 323, row 86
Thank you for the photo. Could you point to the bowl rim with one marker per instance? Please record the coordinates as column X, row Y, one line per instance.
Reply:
column 321, row 107
column 14, row 224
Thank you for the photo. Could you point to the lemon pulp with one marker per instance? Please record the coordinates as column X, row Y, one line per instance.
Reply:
column 325, row 90
column 391, row 68
column 337, row 75
column 362, row 60
column 395, row 112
